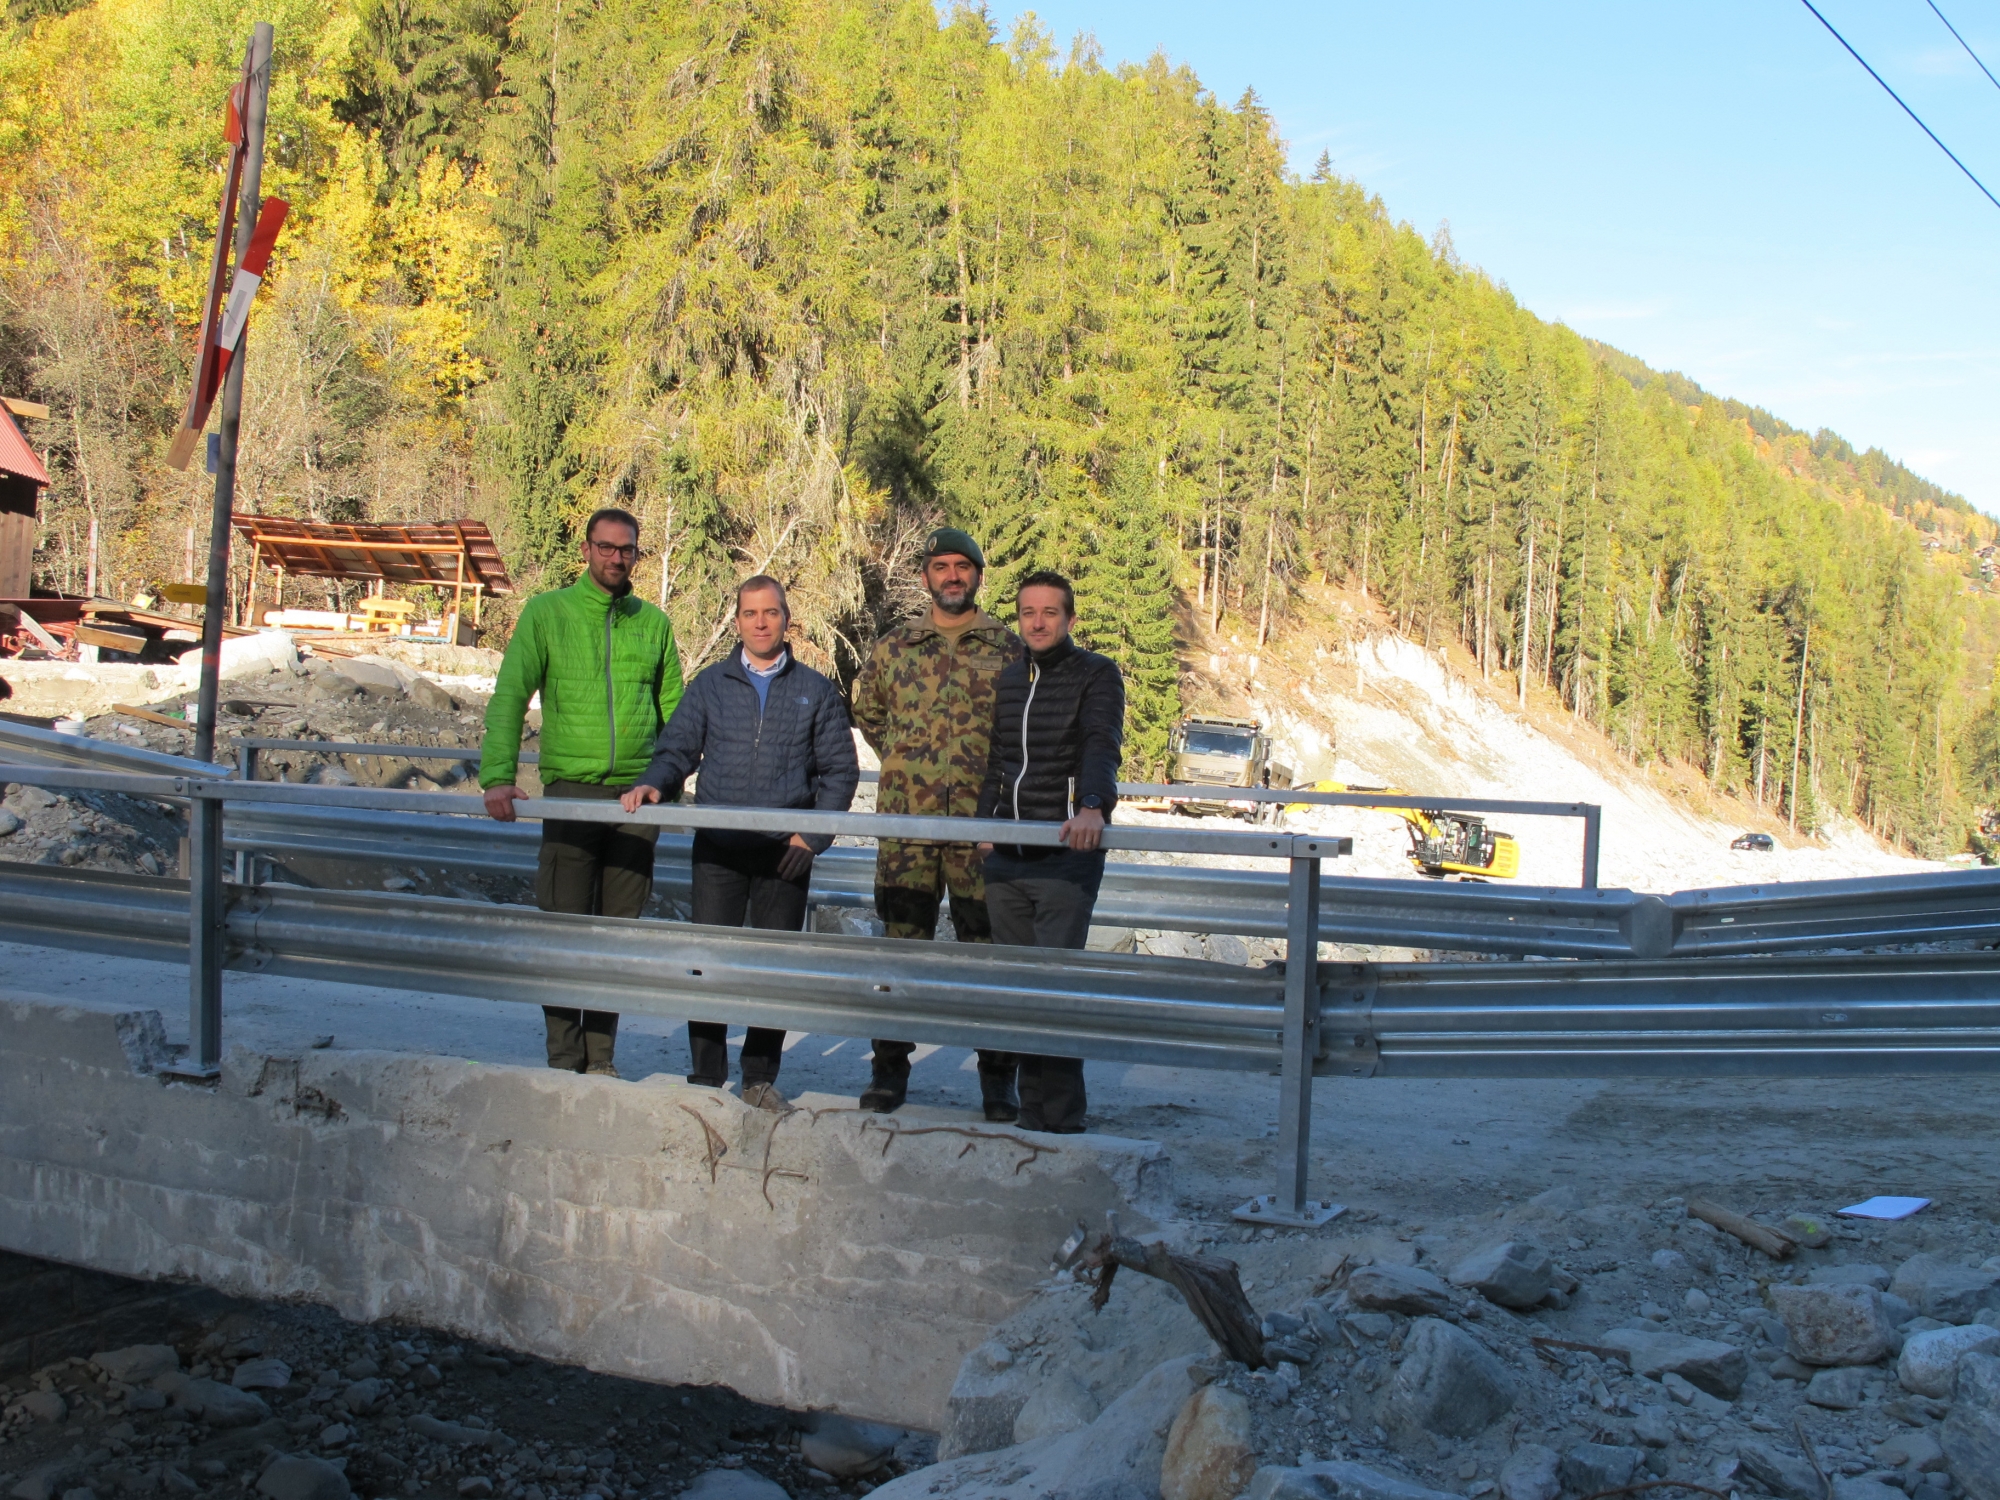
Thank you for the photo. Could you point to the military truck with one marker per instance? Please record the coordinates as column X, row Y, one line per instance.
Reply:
column 1205, row 750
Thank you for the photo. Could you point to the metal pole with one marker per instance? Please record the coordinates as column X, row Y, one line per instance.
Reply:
column 208, row 909
column 1593, row 821
column 1301, row 1036
column 216, row 610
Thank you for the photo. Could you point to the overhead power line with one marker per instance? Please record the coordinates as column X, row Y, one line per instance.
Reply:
column 1899, row 99
column 1963, row 43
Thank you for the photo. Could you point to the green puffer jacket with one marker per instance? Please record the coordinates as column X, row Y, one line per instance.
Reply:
column 609, row 677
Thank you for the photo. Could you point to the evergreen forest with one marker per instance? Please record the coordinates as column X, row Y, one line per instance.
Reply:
column 795, row 280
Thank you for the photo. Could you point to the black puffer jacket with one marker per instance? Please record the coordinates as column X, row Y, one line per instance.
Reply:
column 1058, row 736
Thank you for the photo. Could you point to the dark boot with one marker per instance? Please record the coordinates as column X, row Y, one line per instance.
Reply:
column 889, row 1083
column 996, row 1093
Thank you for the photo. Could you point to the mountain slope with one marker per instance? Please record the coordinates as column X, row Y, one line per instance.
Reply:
column 795, row 281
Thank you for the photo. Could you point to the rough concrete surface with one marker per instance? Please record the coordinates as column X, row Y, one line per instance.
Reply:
column 650, row 1229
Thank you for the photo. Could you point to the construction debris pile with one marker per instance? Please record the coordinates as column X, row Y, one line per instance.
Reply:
column 1549, row 1350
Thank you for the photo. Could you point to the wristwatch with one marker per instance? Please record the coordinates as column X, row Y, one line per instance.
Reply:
column 1094, row 802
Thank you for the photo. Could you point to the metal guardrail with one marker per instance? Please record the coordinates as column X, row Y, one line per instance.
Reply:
column 1712, row 1014
column 1764, row 1016
column 1505, row 919
column 251, row 748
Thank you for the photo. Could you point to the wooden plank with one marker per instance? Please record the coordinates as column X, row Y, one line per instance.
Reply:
column 17, row 554
column 90, row 634
column 41, row 637
column 21, row 408
column 149, row 716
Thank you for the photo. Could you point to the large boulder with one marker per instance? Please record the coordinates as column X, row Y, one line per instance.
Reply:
column 1513, row 1273
column 1209, row 1456
column 734, row 1484
column 1119, row 1454
column 262, row 1375
column 255, row 655
column 1707, row 1364
column 292, row 1477
column 1950, row 1293
column 137, row 1363
column 1060, row 1404
column 1532, row 1472
column 1857, row 1274
column 1592, row 1468
column 1400, row 1289
column 1448, row 1384
column 1338, row 1480
column 1972, row 1431
column 1835, row 1325
column 222, row 1405
column 1928, row 1364
column 845, row 1448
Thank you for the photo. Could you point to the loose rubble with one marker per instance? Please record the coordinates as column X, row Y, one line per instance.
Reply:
column 1661, row 1350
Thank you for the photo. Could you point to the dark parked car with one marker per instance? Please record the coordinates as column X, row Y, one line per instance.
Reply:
column 1762, row 843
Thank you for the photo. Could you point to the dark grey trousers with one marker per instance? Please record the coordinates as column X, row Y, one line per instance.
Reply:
column 735, row 880
column 1034, row 909
column 594, row 870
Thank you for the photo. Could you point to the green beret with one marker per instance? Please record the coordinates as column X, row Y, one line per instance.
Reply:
column 949, row 539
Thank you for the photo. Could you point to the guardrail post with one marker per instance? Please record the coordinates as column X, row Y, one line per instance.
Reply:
column 246, row 770
column 1301, row 1040
column 1298, row 1047
column 207, row 912
column 1593, row 823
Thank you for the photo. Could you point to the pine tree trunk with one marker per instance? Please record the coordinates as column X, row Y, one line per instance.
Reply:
column 1799, row 724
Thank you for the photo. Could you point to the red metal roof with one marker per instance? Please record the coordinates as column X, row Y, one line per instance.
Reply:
column 16, row 457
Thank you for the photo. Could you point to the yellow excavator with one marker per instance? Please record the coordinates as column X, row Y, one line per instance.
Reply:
column 1442, row 843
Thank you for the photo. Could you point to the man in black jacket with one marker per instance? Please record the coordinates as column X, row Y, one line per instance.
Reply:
column 1058, row 736
column 764, row 731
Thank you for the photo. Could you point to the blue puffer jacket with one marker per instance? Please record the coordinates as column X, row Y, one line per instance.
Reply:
column 797, row 752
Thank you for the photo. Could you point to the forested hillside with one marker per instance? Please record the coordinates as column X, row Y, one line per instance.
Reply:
column 793, row 280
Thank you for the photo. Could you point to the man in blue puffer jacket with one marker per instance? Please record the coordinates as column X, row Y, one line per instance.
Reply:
column 764, row 731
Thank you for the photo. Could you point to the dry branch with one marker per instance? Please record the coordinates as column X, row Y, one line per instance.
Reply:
column 1774, row 1243
column 1210, row 1286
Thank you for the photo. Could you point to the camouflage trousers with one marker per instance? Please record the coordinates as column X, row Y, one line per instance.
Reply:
column 910, row 885
column 911, row 881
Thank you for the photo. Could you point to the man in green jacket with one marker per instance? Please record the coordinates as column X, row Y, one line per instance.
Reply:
column 605, row 665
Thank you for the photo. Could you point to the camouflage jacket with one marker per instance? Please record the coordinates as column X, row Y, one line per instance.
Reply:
column 927, row 709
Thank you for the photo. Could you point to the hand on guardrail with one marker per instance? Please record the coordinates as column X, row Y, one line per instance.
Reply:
column 635, row 797
column 500, row 801
column 1084, row 831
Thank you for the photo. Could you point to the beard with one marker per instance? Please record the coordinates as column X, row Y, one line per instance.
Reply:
column 954, row 598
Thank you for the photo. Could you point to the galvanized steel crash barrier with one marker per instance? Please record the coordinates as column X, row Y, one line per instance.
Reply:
column 250, row 749
column 1666, row 986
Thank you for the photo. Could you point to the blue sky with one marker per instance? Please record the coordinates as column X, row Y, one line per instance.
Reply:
column 1718, row 189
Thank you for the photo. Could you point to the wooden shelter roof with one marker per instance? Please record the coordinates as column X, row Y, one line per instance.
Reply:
column 16, row 457
column 415, row 554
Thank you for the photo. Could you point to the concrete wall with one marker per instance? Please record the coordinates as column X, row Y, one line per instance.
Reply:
column 820, row 1259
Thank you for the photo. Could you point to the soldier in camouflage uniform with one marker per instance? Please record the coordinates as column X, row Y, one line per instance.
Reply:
column 925, row 702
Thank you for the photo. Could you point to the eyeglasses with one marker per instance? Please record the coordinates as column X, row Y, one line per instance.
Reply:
column 608, row 549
